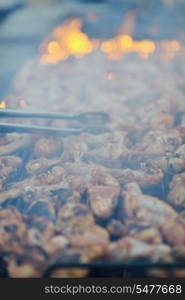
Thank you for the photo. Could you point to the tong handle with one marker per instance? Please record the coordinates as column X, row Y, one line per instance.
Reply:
column 82, row 117
column 21, row 128
column 9, row 128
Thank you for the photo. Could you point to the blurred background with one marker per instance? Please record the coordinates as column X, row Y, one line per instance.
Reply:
column 24, row 24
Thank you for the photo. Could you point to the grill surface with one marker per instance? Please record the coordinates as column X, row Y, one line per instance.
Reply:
column 71, row 78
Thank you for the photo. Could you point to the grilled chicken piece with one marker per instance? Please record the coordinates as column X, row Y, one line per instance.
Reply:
column 57, row 243
column 8, row 165
column 12, row 231
column 89, row 237
column 30, row 263
column 177, row 162
column 174, row 233
column 103, row 196
column 27, row 194
column 38, row 249
column 42, row 237
column 144, row 208
column 176, row 194
column 36, row 186
column 144, row 176
column 104, row 148
column 149, row 235
column 14, row 142
column 36, row 260
column 25, row 269
column 76, row 215
column 102, row 189
column 38, row 238
column 51, row 177
column 110, row 155
column 76, row 223
column 48, row 147
column 159, row 142
column 94, row 141
column 41, row 164
column 170, row 163
column 40, row 231
column 18, row 234
column 131, row 248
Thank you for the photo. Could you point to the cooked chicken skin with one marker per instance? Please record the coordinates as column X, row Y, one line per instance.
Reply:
column 176, row 193
column 149, row 235
column 145, row 208
column 131, row 248
column 13, row 142
column 159, row 142
column 102, row 188
column 111, row 155
column 143, row 176
column 177, row 162
column 12, row 231
column 48, row 147
column 77, row 224
column 39, row 165
column 174, row 233
column 8, row 166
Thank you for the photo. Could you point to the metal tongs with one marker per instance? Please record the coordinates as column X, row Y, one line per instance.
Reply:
column 83, row 118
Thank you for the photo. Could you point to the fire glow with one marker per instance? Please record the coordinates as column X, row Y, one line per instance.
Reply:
column 69, row 40
column 2, row 104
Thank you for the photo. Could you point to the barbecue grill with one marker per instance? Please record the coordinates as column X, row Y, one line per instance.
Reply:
column 92, row 152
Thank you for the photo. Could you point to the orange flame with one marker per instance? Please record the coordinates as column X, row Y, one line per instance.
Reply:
column 121, row 44
column 69, row 40
column 2, row 104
